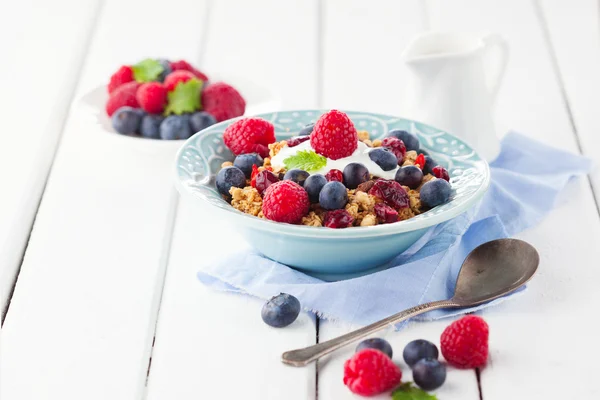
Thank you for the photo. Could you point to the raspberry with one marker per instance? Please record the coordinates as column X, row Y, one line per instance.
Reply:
column 285, row 201
column 464, row 342
column 250, row 135
column 385, row 214
column 396, row 146
column 420, row 161
column 370, row 372
column 441, row 172
column 182, row 65
column 123, row 96
column 338, row 219
column 152, row 97
column 334, row 135
column 123, row 75
column 175, row 77
column 391, row 192
column 335, row 175
column 222, row 101
column 295, row 141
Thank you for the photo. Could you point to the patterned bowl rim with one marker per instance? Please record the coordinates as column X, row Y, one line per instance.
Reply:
column 195, row 189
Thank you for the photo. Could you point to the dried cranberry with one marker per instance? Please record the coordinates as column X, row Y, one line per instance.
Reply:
column 441, row 172
column 264, row 179
column 396, row 146
column 391, row 192
column 335, row 175
column 420, row 161
column 385, row 214
column 295, row 141
column 338, row 219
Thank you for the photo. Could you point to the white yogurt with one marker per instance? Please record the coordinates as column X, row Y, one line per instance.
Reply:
column 360, row 155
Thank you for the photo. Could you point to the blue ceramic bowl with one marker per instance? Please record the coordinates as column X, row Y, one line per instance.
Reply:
column 324, row 252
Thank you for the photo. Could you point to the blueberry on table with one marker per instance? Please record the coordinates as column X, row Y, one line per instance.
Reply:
column 333, row 196
column 384, row 158
column 313, row 185
column 175, row 127
column 307, row 130
column 411, row 141
column 127, row 120
column 435, row 192
column 150, row 126
column 281, row 310
column 419, row 349
column 377, row 344
column 201, row 120
column 355, row 174
column 429, row 165
column 429, row 373
column 230, row 177
column 246, row 161
column 410, row 176
column 166, row 69
column 296, row 175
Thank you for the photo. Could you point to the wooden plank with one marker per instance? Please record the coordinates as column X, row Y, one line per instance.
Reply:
column 215, row 345
column 38, row 76
column 82, row 318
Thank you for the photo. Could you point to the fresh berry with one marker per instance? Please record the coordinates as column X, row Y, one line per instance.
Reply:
column 333, row 196
column 337, row 219
column 429, row 373
column 182, row 65
column 419, row 349
column 201, row 120
column 429, row 165
column 383, row 157
column 391, row 192
column 385, row 214
column 152, row 97
column 150, row 126
column 166, row 69
column 281, row 310
column 223, row 101
column 370, row 372
column 263, row 180
column 307, row 130
column 175, row 77
column 123, row 96
column 285, row 201
column 355, row 174
column 175, row 127
column 441, row 172
column 410, row 176
column 246, row 161
column 296, row 140
column 335, row 175
column 334, row 135
column 250, row 135
column 313, row 185
column 396, row 146
column 435, row 192
column 420, row 161
column 411, row 141
column 296, row 175
column 127, row 120
column 123, row 75
column 464, row 342
column 229, row 177
column 377, row 344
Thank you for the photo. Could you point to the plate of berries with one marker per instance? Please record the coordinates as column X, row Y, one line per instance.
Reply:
column 332, row 193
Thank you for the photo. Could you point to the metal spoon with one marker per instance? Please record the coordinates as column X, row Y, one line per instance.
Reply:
column 490, row 271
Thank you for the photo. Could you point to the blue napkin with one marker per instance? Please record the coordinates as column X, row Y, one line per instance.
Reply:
column 527, row 176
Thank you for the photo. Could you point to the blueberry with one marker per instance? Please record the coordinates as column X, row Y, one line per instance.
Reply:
column 246, row 161
column 281, row 310
column 307, row 130
column 384, row 158
column 355, row 174
column 429, row 165
column 126, row 120
column 166, row 69
column 175, row 127
column 296, row 175
column 313, row 185
column 411, row 141
column 201, row 120
column 150, row 126
column 333, row 196
column 435, row 192
column 417, row 350
column 409, row 175
column 376, row 343
column 230, row 177
column 429, row 373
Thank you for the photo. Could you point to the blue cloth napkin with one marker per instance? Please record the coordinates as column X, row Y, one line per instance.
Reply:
column 527, row 176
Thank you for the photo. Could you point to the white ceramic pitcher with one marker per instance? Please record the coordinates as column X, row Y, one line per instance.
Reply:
column 454, row 79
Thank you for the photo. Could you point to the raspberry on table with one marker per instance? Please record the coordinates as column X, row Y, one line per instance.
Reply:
column 175, row 77
column 285, row 201
column 464, row 343
column 223, row 101
column 370, row 372
column 182, row 65
column 334, row 135
column 124, row 95
column 250, row 135
column 152, row 97
column 123, row 75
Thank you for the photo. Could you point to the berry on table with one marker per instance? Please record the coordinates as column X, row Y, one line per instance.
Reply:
column 285, row 201
column 150, row 126
column 296, row 140
column 123, row 75
column 250, row 135
column 419, row 349
column 313, row 185
column 411, row 141
column 384, row 158
column 152, row 97
column 175, row 77
column 335, row 175
column 296, row 175
column 429, row 165
column 337, row 219
column 307, row 130
column 441, row 172
column 127, row 120
column 201, row 120
column 246, row 161
column 385, row 214
column 175, row 127
column 182, row 65
column 396, row 146
column 370, row 372
column 429, row 373
column 391, row 192
column 263, row 179
column 334, row 135
column 435, row 192
column 464, row 342
column 229, row 177
column 333, row 196
column 281, row 310
column 166, row 69
column 355, row 174
column 122, row 96
column 377, row 344
column 410, row 176
column 223, row 101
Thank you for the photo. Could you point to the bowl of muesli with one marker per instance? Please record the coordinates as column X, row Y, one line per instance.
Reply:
column 331, row 193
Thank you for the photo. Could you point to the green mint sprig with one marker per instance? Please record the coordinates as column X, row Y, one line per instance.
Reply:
column 147, row 70
column 306, row 160
column 407, row 391
column 185, row 97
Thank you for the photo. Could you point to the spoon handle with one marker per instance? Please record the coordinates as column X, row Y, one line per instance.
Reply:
column 301, row 357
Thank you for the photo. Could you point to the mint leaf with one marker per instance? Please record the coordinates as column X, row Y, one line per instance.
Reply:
column 185, row 97
column 147, row 70
column 306, row 160
column 407, row 391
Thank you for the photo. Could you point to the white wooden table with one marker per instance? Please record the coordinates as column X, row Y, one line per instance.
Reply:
column 98, row 256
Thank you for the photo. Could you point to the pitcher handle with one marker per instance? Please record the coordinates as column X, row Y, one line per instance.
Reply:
column 495, row 45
